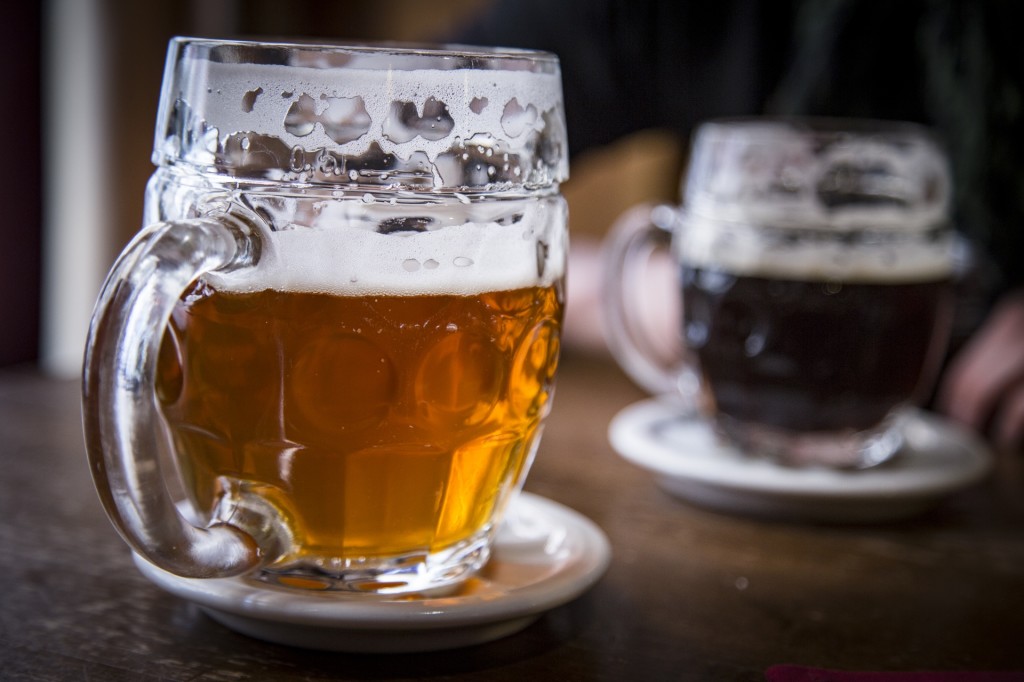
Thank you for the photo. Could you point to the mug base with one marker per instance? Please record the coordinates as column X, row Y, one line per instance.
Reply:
column 848, row 449
column 421, row 573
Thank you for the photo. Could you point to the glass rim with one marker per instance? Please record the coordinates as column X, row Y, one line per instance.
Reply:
column 819, row 125
column 371, row 48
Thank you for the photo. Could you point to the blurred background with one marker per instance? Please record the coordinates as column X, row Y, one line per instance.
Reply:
column 81, row 88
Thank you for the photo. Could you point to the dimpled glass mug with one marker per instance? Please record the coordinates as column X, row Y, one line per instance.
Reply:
column 815, row 269
column 337, row 337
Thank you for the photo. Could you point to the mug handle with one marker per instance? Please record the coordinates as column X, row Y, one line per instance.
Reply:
column 124, row 431
column 637, row 236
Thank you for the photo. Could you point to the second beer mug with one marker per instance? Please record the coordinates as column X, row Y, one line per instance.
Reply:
column 343, row 321
column 815, row 268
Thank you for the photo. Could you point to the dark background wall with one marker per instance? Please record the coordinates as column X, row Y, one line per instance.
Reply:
column 20, row 183
column 133, row 43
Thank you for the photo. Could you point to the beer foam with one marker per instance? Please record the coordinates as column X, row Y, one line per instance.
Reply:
column 817, row 256
column 349, row 257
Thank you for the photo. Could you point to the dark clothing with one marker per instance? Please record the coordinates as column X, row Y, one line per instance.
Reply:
column 954, row 65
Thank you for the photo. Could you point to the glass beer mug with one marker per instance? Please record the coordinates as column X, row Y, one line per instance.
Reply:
column 336, row 339
column 815, row 267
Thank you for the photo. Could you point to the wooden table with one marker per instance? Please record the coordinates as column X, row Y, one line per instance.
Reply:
column 690, row 594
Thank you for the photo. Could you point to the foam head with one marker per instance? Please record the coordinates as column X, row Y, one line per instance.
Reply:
column 356, row 249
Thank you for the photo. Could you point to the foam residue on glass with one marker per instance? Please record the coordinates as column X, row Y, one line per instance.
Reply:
column 784, row 200
column 450, row 127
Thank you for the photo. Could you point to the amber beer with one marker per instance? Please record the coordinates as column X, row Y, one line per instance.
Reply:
column 324, row 361
column 376, row 425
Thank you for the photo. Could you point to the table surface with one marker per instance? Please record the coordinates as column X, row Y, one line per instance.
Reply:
column 690, row 594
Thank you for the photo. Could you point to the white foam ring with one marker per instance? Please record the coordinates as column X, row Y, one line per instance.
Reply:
column 884, row 257
column 347, row 257
column 226, row 98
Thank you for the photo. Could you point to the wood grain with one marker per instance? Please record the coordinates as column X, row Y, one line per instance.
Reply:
column 690, row 594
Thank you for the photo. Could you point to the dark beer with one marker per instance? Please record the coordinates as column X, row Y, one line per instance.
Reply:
column 812, row 356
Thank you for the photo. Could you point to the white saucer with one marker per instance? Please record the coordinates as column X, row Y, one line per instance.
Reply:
column 545, row 555
column 691, row 463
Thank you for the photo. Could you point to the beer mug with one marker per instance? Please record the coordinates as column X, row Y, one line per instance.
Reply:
column 326, row 360
column 815, row 267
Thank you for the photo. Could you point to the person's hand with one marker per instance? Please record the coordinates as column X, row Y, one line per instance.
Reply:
column 984, row 385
